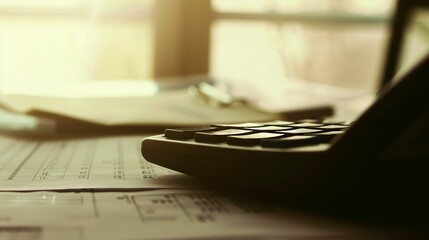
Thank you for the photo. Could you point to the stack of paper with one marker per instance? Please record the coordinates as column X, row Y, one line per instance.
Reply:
column 124, row 103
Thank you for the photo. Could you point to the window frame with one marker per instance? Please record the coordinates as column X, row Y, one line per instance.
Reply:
column 182, row 37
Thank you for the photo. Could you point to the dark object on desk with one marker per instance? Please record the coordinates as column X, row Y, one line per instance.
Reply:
column 390, row 133
column 380, row 163
column 382, row 152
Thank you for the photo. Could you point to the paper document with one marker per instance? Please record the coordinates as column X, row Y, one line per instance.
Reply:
column 126, row 103
column 160, row 214
column 285, row 95
column 99, row 162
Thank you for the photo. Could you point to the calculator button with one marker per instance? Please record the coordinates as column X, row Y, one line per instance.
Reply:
column 238, row 125
column 185, row 133
column 270, row 128
column 333, row 127
column 331, row 122
column 327, row 136
column 336, row 122
column 218, row 136
column 307, row 125
column 309, row 121
column 301, row 131
column 293, row 141
column 279, row 123
column 251, row 139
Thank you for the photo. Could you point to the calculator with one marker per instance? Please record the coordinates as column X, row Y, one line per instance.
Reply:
column 254, row 154
column 390, row 139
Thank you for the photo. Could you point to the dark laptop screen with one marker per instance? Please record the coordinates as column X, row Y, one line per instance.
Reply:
column 416, row 41
column 409, row 40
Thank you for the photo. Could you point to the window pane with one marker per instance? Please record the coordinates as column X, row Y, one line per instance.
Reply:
column 74, row 40
column 41, row 3
column 346, row 54
column 416, row 42
column 290, row 6
column 239, row 5
column 351, row 6
column 73, row 3
column 339, row 54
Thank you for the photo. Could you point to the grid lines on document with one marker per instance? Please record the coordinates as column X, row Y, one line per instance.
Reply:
column 192, row 207
column 13, row 156
column 147, row 171
column 64, row 160
column 57, row 162
column 87, row 159
column 119, row 159
column 5, row 149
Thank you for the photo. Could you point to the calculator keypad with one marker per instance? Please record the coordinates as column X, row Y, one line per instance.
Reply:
column 301, row 131
column 251, row 139
column 185, row 133
column 274, row 134
column 292, row 141
column 218, row 136
column 269, row 128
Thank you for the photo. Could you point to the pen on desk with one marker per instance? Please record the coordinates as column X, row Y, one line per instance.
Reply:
column 212, row 95
column 217, row 97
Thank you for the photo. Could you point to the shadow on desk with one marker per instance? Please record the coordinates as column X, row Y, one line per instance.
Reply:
column 388, row 204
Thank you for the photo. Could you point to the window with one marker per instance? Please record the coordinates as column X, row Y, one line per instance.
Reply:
column 339, row 42
column 51, row 41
